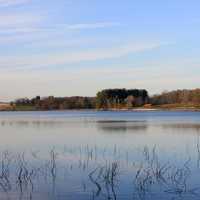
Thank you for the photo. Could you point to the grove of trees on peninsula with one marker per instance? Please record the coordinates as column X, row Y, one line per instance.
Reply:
column 121, row 98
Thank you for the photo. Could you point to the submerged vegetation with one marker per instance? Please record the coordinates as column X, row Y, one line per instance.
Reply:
column 112, row 99
column 101, row 174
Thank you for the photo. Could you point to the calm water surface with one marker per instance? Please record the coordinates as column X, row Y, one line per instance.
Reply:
column 72, row 155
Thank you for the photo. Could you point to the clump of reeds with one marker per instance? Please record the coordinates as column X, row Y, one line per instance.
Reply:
column 104, row 172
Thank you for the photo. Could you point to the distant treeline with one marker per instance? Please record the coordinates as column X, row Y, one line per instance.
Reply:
column 55, row 103
column 105, row 99
column 121, row 98
column 184, row 97
column 110, row 99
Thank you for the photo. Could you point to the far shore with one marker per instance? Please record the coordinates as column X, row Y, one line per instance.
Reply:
column 7, row 107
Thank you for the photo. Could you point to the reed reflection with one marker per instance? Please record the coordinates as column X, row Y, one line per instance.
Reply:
column 36, row 178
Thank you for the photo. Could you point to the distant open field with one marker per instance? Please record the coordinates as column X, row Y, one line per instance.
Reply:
column 5, row 106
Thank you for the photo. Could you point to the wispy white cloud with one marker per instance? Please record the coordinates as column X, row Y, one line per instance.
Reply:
column 30, row 24
column 12, row 24
column 14, row 21
column 6, row 3
column 46, row 60
column 51, row 82
column 92, row 25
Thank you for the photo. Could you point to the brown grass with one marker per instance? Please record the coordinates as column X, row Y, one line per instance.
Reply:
column 5, row 106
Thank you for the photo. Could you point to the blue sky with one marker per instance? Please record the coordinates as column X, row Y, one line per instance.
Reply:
column 77, row 47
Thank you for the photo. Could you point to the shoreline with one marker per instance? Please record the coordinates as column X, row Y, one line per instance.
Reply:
column 6, row 107
column 114, row 110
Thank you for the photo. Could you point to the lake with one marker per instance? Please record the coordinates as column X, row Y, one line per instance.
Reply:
column 83, row 155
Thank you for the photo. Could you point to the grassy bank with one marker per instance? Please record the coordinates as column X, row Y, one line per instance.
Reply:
column 147, row 107
column 177, row 107
column 24, row 108
column 5, row 107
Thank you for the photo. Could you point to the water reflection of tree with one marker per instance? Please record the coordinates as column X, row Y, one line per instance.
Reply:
column 34, row 123
column 182, row 126
column 122, row 126
column 198, row 149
